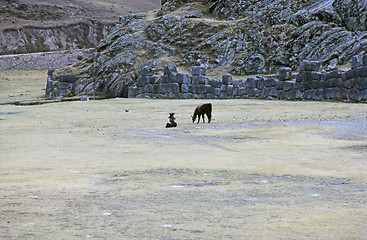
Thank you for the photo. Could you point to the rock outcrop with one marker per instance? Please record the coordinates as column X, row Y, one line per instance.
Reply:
column 30, row 39
column 239, row 37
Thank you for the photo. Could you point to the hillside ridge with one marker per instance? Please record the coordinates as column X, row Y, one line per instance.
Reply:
column 249, row 39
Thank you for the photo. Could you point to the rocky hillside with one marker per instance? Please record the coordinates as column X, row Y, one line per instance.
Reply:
column 235, row 36
column 28, row 26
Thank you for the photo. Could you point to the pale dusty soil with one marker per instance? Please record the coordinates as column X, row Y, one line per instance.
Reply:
column 110, row 170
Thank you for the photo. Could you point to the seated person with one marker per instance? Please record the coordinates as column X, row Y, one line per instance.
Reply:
column 171, row 121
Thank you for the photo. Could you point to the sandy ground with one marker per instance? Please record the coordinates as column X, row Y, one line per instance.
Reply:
column 109, row 169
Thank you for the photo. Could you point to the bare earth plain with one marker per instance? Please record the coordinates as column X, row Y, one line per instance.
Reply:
column 109, row 169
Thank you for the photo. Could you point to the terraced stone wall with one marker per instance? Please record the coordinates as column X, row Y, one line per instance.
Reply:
column 309, row 84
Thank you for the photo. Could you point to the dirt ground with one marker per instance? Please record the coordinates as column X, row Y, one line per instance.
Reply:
column 109, row 169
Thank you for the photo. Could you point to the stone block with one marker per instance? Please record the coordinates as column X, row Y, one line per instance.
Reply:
column 290, row 95
column 307, row 65
column 216, row 91
column 68, row 78
column 304, row 86
column 183, row 78
column 323, row 84
column 271, row 92
column 344, row 76
column 344, row 94
column 288, row 85
column 132, row 92
column 142, row 80
column 173, row 95
column 270, row 82
column 299, row 95
column 50, row 71
column 242, row 91
column 229, row 90
column 260, row 82
column 356, row 62
column 360, row 83
column 351, row 73
column 318, row 95
column 172, row 78
column 279, row 85
column 308, row 76
column 197, row 70
column 169, row 69
column 308, row 95
column 235, row 91
column 216, row 83
column 237, row 83
column 210, row 96
column 333, row 74
column 335, row 82
column 187, row 95
column 184, row 88
column 349, row 83
column 193, row 88
column 195, row 79
column 84, row 98
column 354, row 94
column 363, row 95
column 173, row 87
column 223, row 88
column 208, row 88
column 332, row 93
column 158, row 80
column 254, row 92
column 146, row 71
column 364, row 60
column 223, row 95
column 315, row 84
column 250, row 82
column 163, row 88
column 60, row 90
column 227, row 79
column 285, row 73
column 204, row 80
column 156, row 88
column 281, row 94
column 362, row 72
column 49, row 84
column 164, row 79
column 148, row 88
column 201, row 89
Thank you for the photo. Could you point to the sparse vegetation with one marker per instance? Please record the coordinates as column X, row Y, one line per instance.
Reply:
column 260, row 169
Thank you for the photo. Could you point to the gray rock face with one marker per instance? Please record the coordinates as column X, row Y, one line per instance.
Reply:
column 353, row 14
column 266, row 37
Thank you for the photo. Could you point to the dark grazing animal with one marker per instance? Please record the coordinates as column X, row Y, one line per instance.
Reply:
column 201, row 110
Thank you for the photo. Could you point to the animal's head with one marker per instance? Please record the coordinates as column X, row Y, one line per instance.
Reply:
column 193, row 118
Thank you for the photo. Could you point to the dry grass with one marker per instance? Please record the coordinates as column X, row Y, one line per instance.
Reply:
column 260, row 170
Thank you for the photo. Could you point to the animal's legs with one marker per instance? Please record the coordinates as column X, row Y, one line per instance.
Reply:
column 209, row 115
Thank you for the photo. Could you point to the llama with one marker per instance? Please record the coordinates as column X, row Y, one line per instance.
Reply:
column 171, row 121
column 201, row 110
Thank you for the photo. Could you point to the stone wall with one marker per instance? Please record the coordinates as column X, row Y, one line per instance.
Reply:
column 309, row 84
